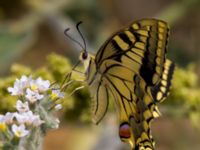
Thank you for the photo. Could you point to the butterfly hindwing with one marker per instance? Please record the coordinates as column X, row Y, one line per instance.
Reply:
column 135, row 107
column 99, row 96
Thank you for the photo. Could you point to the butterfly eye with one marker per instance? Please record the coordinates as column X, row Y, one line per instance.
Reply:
column 84, row 55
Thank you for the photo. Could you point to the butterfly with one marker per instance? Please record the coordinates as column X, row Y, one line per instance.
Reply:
column 131, row 68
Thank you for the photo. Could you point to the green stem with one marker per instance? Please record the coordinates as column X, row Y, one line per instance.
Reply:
column 33, row 142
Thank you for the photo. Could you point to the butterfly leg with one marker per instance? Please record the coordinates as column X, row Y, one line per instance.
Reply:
column 79, row 77
column 72, row 76
column 66, row 79
column 75, row 90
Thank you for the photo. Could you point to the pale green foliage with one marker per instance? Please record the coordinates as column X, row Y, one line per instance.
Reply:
column 19, row 70
column 184, row 85
column 184, row 99
column 58, row 66
column 6, row 100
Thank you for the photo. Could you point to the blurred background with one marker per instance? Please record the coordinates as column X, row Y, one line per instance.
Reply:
column 32, row 42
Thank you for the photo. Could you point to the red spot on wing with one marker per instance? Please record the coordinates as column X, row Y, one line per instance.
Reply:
column 124, row 130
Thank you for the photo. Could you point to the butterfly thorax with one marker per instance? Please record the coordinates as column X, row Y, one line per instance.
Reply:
column 88, row 61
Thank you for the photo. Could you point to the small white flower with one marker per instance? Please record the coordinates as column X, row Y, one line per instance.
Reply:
column 15, row 90
column 2, row 118
column 25, row 80
column 43, row 85
column 22, row 107
column 29, row 118
column 8, row 118
column 37, row 121
column 21, row 118
column 25, row 118
column 56, row 93
column 58, row 107
column 3, row 125
column 33, row 96
column 19, row 86
column 19, row 131
column 40, row 85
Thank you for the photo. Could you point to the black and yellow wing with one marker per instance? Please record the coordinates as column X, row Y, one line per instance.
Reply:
column 136, row 108
column 100, row 98
column 161, row 90
column 141, row 46
column 132, row 67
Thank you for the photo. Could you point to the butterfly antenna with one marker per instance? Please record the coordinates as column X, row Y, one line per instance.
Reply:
column 79, row 31
column 71, row 38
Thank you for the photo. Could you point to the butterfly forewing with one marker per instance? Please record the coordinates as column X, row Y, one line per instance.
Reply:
column 141, row 46
column 161, row 90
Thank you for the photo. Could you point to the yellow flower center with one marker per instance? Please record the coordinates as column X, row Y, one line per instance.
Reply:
column 18, row 133
column 34, row 87
column 3, row 127
column 54, row 95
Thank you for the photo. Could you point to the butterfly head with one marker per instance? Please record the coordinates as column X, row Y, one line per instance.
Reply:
column 84, row 55
column 85, row 58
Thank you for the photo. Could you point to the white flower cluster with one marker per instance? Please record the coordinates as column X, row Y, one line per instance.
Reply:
column 31, row 89
column 31, row 93
column 19, row 120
